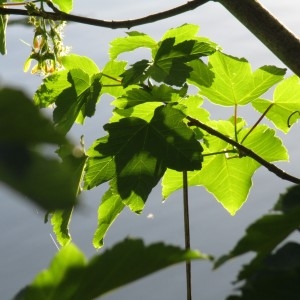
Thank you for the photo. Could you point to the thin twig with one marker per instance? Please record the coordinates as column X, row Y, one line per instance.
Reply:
column 109, row 24
column 187, row 234
column 245, row 151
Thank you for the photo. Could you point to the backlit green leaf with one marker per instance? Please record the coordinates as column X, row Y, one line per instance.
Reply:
column 112, row 84
column 231, row 183
column 74, row 61
column 229, row 80
column 51, row 88
column 64, row 5
column 60, row 221
column 66, row 277
column 140, row 152
column 285, row 103
column 133, row 41
column 110, row 207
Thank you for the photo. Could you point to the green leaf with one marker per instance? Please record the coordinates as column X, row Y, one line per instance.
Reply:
column 75, row 159
column 22, row 123
column 112, row 84
column 109, row 209
column 130, row 260
column 227, row 176
column 51, row 88
column 140, row 152
column 64, row 5
column 133, row 41
column 74, row 61
column 229, row 80
column 266, row 233
column 78, row 101
column 143, row 111
column 137, row 95
column 136, row 74
column 60, row 280
column 181, row 33
column 170, row 60
column 60, row 221
column 44, row 180
column 3, row 25
column 285, row 103
column 99, row 168
column 277, row 276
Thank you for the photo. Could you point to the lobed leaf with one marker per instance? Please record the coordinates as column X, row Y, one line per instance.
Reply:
column 139, row 152
column 170, row 60
column 285, row 103
column 229, row 80
column 228, row 176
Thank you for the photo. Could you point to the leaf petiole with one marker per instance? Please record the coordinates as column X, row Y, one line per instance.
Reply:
column 257, row 122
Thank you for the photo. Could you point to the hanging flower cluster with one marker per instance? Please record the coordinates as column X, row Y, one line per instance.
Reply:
column 47, row 45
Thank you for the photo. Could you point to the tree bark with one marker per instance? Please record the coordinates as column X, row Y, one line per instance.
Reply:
column 268, row 29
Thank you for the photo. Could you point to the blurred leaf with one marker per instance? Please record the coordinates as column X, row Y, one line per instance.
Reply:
column 21, row 122
column 277, row 277
column 268, row 232
column 44, row 180
column 130, row 260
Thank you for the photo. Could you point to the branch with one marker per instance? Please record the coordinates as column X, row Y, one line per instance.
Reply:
column 61, row 16
column 245, row 151
column 268, row 29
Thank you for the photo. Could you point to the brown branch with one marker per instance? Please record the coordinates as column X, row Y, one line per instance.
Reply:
column 245, row 151
column 268, row 29
column 109, row 24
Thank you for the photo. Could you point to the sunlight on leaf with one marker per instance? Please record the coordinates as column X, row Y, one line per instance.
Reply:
column 227, row 176
column 286, row 100
column 229, row 80
column 133, row 41
column 64, row 5
column 111, row 206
